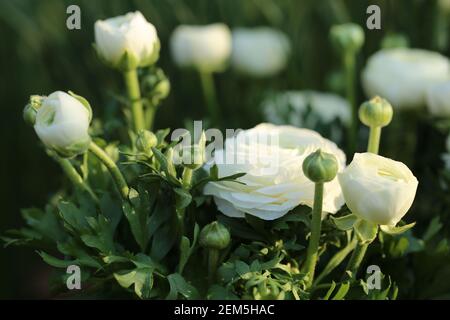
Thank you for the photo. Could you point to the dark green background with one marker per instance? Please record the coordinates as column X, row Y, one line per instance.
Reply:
column 39, row 55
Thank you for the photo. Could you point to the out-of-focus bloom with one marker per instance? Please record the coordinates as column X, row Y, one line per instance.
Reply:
column 438, row 99
column 206, row 48
column 378, row 189
column 347, row 37
column 324, row 112
column 127, row 42
column 62, row 123
column 274, row 183
column 260, row 52
column 402, row 76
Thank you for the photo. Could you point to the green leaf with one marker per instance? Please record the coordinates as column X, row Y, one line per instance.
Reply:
column 182, row 198
column 55, row 262
column 136, row 226
column 366, row 231
column 74, row 218
column 433, row 228
column 393, row 230
column 186, row 249
column 330, row 291
column 342, row 292
column 344, row 223
column 217, row 292
column 141, row 278
column 178, row 285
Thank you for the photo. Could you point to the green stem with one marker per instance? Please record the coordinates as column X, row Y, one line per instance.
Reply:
column 73, row 175
column 187, row 177
column 313, row 247
column 150, row 116
column 213, row 262
column 374, row 140
column 356, row 259
column 117, row 176
column 350, row 86
column 134, row 94
column 209, row 93
column 336, row 260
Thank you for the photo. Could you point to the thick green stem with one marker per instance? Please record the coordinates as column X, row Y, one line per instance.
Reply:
column 374, row 140
column 335, row 261
column 134, row 94
column 313, row 247
column 356, row 259
column 187, row 177
column 117, row 176
column 209, row 93
column 350, row 91
column 73, row 175
column 213, row 262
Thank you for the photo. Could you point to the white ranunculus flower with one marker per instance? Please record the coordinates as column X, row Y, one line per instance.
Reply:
column 378, row 189
column 206, row 48
column 131, row 34
column 260, row 52
column 438, row 99
column 291, row 107
column 274, row 183
column 403, row 75
column 62, row 124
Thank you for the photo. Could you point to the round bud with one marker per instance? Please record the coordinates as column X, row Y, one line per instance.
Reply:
column 347, row 37
column 376, row 112
column 394, row 40
column 320, row 166
column 156, row 86
column 215, row 236
column 267, row 290
column 145, row 141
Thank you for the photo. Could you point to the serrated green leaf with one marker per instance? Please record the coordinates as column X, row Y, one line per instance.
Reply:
column 178, row 285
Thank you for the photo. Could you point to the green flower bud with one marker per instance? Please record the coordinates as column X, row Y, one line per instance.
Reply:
column 268, row 290
column 30, row 110
column 156, row 86
column 145, row 141
column 320, row 166
column 394, row 40
column 348, row 37
column 376, row 112
column 215, row 236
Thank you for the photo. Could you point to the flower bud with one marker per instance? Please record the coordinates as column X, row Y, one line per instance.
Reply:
column 145, row 141
column 394, row 40
column 30, row 110
column 376, row 112
column 348, row 37
column 156, row 86
column 215, row 236
column 62, row 123
column 268, row 290
column 127, row 42
column 320, row 166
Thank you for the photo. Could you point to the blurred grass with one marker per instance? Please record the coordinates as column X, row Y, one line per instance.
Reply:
column 38, row 55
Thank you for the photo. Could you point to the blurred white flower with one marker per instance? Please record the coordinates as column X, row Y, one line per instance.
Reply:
column 403, row 75
column 378, row 189
column 62, row 124
column 309, row 109
column 438, row 99
column 130, row 34
column 274, row 183
column 206, row 48
column 260, row 52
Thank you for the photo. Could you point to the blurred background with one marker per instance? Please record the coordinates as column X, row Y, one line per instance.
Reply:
column 39, row 55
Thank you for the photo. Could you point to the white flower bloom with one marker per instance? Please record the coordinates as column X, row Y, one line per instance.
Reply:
column 291, row 107
column 378, row 189
column 206, row 48
column 131, row 34
column 62, row 124
column 438, row 99
column 271, row 158
column 403, row 75
column 260, row 52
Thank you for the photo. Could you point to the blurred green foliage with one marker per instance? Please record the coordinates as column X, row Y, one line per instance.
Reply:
column 39, row 55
